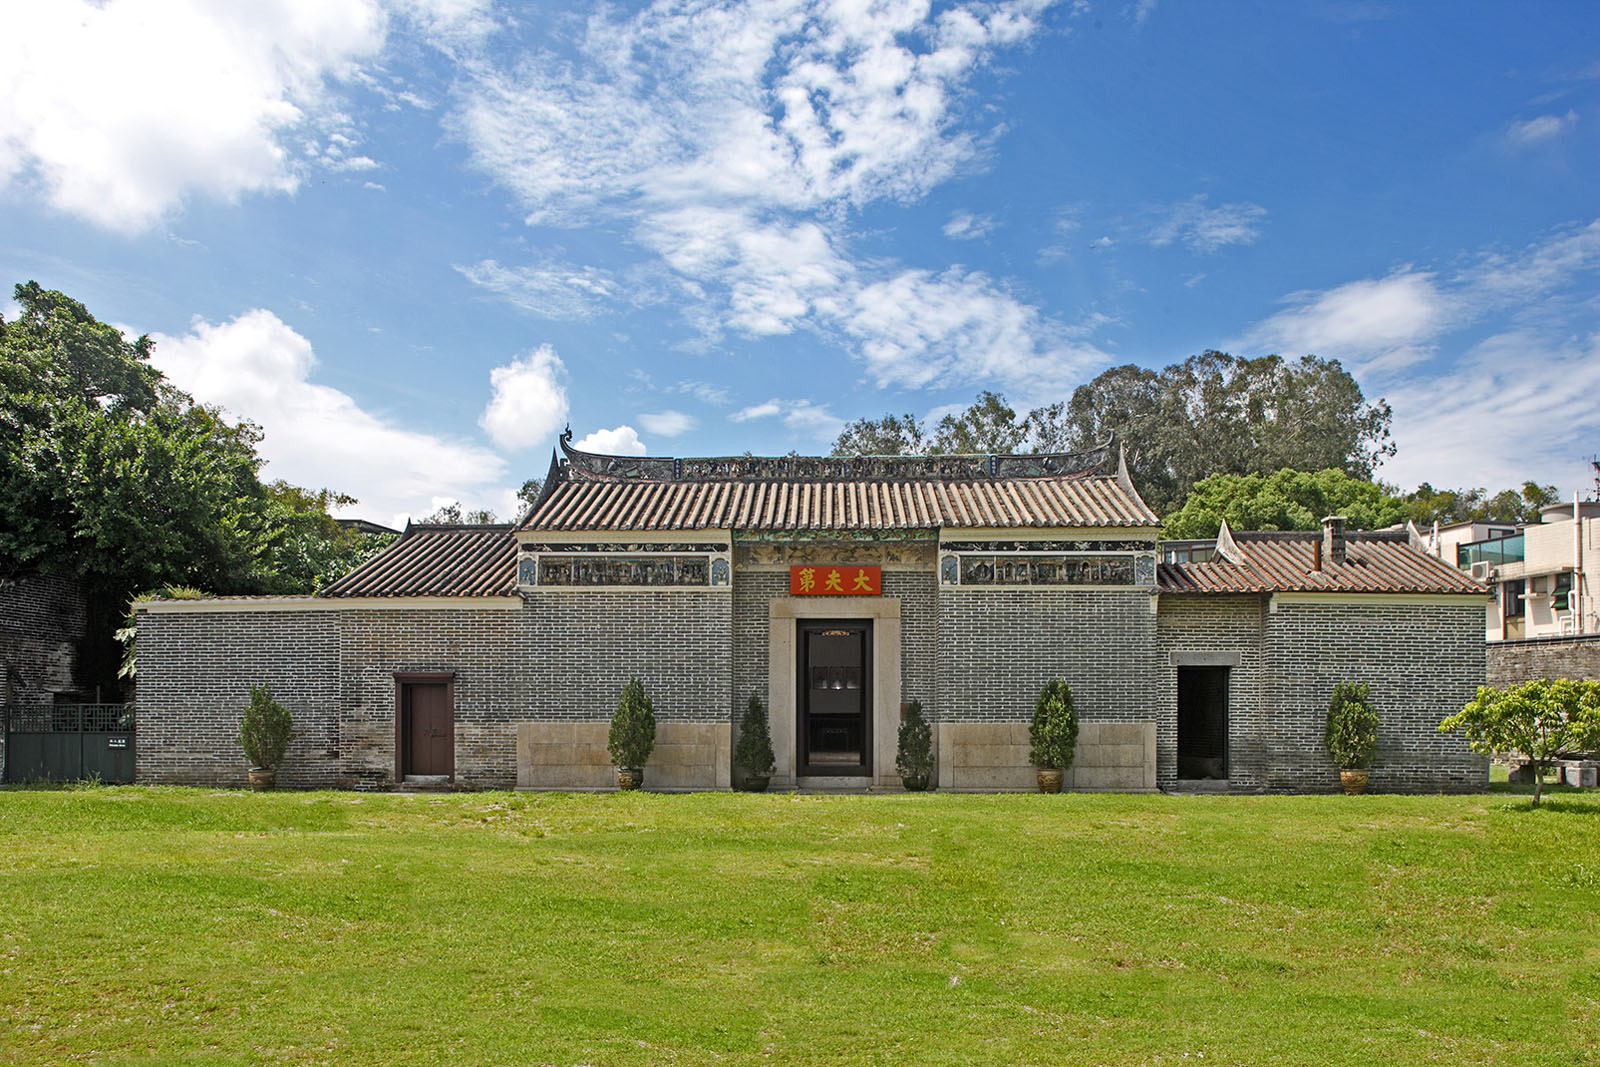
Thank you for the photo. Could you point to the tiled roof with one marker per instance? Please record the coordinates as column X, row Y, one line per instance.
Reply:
column 1282, row 563
column 438, row 560
column 805, row 493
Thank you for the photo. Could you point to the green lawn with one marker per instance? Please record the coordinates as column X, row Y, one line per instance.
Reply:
column 183, row 926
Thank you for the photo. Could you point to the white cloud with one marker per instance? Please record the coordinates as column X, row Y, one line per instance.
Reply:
column 622, row 441
column 1207, row 229
column 704, row 392
column 554, row 290
column 1388, row 320
column 764, row 410
column 667, row 423
column 733, row 141
column 119, row 111
column 965, row 226
column 1521, row 405
column 1387, row 324
column 529, row 402
column 258, row 368
column 804, row 417
column 1538, row 130
column 920, row 329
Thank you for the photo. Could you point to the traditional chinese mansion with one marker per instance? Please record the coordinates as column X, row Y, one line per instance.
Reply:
column 836, row 590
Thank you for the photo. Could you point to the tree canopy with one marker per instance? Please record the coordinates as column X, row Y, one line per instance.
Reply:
column 112, row 476
column 1211, row 414
column 1284, row 500
column 1427, row 505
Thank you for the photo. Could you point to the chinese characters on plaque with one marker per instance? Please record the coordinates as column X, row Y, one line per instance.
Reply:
column 814, row 580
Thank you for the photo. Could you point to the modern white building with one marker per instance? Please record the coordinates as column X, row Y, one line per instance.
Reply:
column 1545, row 576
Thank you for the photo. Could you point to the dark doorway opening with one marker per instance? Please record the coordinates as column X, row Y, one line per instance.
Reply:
column 425, row 726
column 835, row 688
column 1202, row 722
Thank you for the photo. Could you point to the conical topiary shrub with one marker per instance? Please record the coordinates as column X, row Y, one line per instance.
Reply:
column 633, row 735
column 753, row 755
column 1053, row 733
column 913, row 757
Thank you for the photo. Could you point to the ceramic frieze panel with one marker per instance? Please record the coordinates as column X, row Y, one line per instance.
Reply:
column 579, row 570
column 902, row 554
column 1033, row 569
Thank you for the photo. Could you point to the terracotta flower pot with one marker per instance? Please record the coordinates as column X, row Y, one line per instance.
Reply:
column 262, row 779
column 1049, row 780
column 1354, row 781
column 630, row 777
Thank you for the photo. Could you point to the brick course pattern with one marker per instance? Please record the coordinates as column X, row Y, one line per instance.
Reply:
column 997, row 648
column 1423, row 663
column 196, row 671
column 1515, row 662
column 561, row 658
column 1214, row 624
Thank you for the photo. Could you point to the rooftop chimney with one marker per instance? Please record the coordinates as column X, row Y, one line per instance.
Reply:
column 1333, row 538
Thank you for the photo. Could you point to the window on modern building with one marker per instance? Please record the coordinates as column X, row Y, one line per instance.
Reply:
column 1511, row 597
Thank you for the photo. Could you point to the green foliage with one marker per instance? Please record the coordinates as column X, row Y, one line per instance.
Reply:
column 112, row 477
column 1426, row 505
column 633, row 728
column 1054, row 730
column 1351, row 735
column 913, row 756
column 753, row 755
column 892, row 435
column 1539, row 720
column 1211, row 414
column 265, row 729
column 1283, row 500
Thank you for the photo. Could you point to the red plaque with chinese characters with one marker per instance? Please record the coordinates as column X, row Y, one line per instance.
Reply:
column 835, row 581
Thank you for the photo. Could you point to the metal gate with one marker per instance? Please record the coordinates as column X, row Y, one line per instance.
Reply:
column 68, row 742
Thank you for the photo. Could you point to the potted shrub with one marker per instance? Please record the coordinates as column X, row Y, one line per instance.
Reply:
column 1053, row 734
column 264, row 735
column 753, row 755
column 632, row 735
column 1352, row 734
column 914, row 756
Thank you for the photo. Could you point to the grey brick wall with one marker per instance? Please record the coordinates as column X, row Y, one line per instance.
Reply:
column 997, row 648
column 42, row 619
column 195, row 673
column 1202, row 624
column 562, row 657
column 1423, row 661
column 1515, row 662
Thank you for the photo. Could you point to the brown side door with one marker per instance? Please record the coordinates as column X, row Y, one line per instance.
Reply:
column 428, row 729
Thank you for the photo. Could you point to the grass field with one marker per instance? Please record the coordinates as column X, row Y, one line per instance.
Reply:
column 180, row 926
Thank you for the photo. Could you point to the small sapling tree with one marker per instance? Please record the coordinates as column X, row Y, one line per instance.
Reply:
column 1539, row 719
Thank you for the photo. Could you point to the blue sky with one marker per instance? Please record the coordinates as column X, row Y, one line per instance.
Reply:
column 413, row 238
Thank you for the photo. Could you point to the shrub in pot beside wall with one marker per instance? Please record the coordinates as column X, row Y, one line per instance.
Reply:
column 753, row 755
column 632, row 735
column 1351, row 735
column 1053, row 734
column 914, row 756
column 264, row 735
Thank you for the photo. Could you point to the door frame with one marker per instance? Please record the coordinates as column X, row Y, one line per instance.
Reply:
column 1226, row 673
column 782, row 676
column 803, row 699
column 401, row 680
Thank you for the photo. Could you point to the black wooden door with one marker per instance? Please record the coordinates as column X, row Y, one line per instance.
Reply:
column 430, row 729
column 836, row 698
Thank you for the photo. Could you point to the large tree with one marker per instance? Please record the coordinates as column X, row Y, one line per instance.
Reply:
column 111, row 476
column 1211, row 414
column 1427, row 505
column 1284, row 500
